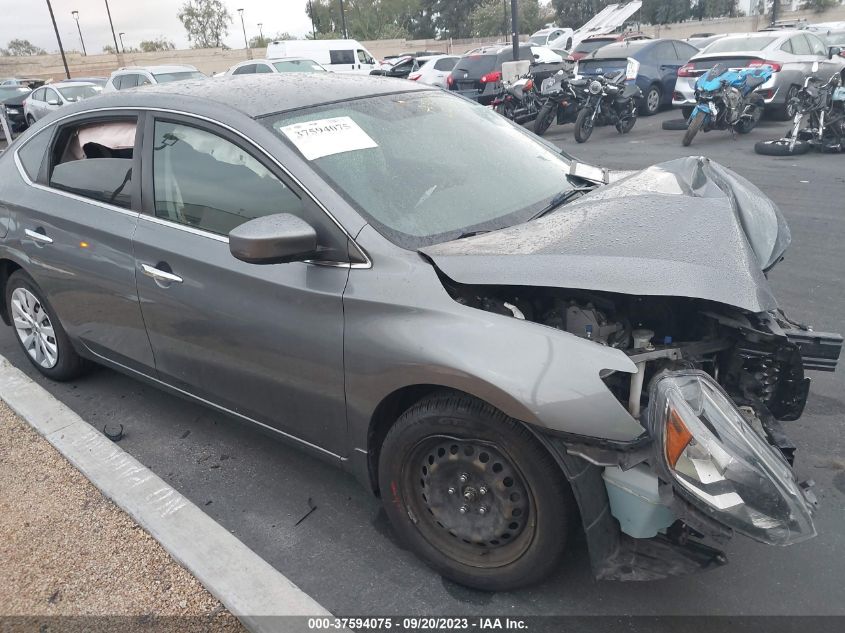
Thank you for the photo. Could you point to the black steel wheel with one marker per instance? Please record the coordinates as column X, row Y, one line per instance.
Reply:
column 545, row 117
column 584, row 125
column 474, row 494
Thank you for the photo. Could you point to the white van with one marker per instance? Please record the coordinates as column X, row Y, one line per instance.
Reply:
column 341, row 56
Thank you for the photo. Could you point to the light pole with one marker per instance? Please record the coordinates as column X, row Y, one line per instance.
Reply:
column 122, row 45
column 111, row 24
column 260, row 32
column 59, row 39
column 343, row 21
column 246, row 41
column 75, row 15
column 515, row 29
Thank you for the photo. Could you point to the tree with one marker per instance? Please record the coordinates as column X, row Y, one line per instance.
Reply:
column 263, row 42
column 575, row 13
column 158, row 44
column 370, row 19
column 488, row 19
column 21, row 48
column 664, row 11
column 452, row 17
column 819, row 6
column 206, row 21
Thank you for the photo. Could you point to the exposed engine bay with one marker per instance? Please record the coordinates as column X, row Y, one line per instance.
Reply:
column 758, row 359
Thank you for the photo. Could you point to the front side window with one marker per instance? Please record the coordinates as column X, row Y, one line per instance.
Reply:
column 52, row 97
column 164, row 78
column 364, row 58
column 95, row 160
column 342, row 56
column 263, row 68
column 38, row 95
column 204, row 181
column 816, row 45
column 385, row 155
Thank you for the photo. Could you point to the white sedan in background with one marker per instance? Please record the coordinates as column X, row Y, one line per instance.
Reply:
column 277, row 65
column 433, row 70
column 46, row 99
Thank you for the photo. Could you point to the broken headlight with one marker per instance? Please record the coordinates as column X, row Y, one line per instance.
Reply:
column 719, row 462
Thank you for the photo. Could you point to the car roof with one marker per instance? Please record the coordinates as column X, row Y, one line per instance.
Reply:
column 173, row 68
column 69, row 84
column 258, row 95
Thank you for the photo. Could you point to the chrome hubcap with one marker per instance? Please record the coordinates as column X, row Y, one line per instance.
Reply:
column 34, row 328
column 653, row 100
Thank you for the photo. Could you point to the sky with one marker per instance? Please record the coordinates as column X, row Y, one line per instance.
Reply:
column 139, row 20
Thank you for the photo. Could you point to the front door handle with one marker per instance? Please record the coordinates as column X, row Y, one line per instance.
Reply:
column 38, row 236
column 160, row 275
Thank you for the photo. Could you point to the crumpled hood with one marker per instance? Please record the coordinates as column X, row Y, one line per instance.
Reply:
column 686, row 227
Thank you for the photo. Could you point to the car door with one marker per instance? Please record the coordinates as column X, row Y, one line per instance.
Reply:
column 75, row 229
column 262, row 341
column 819, row 50
column 663, row 57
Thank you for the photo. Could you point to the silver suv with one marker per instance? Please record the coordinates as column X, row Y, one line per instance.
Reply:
column 132, row 76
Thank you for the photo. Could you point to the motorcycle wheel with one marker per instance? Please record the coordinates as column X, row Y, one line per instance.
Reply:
column 584, row 125
column 744, row 127
column 694, row 127
column 626, row 125
column 505, row 109
column 545, row 117
column 780, row 147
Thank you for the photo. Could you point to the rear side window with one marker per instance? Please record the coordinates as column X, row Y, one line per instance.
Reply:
column 447, row 63
column 247, row 69
column 800, row 45
column 786, row 47
column 816, row 45
column 95, row 160
column 684, row 51
column 342, row 56
column 128, row 81
column 32, row 154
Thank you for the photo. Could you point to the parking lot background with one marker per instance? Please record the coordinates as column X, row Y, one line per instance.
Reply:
column 344, row 554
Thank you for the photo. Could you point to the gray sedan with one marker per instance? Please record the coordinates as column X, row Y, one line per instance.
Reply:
column 793, row 55
column 503, row 342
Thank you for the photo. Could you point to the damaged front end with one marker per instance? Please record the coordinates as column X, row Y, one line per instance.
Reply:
column 719, row 366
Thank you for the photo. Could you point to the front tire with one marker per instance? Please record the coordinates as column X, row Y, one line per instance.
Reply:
column 584, row 125
column 786, row 111
column 651, row 101
column 780, row 147
column 39, row 331
column 545, row 117
column 745, row 126
column 694, row 127
column 474, row 494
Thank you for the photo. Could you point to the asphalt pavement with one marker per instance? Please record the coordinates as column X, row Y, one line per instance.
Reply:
column 344, row 555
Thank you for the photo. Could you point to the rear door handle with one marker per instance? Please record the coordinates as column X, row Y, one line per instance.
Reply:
column 38, row 236
column 160, row 275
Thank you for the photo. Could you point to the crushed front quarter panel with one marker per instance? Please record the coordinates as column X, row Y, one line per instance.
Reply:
column 685, row 228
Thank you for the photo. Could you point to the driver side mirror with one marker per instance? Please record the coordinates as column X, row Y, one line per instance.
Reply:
column 273, row 239
column 833, row 51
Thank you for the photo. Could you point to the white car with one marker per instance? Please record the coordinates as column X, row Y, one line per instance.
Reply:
column 340, row 56
column 132, row 76
column 791, row 54
column 434, row 70
column 277, row 65
column 42, row 101
column 553, row 37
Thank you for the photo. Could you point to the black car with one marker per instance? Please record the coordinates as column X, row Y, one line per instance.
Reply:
column 12, row 99
column 478, row 75
column 400, row 67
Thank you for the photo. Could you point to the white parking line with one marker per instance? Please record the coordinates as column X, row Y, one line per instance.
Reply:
column 248, row 586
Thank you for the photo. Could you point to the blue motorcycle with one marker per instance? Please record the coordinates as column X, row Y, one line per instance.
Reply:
column 727, row 99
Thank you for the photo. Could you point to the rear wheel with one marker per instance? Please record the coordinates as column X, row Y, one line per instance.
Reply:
column 626, row 125
column 780, row 147
column 746, row 125
column 39, row 332
column 694, row 127
column 651, row 101
column 545, row 117
column 30, row 120
column 787, row 110
column 473, row 493
column 584, row 125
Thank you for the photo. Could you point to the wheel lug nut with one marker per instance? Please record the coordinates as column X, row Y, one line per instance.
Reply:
column 482, row 490
column 463, row 509
column 482, row 510
column 463, row 478
column 452, row 490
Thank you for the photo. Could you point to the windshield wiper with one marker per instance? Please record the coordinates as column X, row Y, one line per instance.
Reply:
column 471, row 234
column 562, row 198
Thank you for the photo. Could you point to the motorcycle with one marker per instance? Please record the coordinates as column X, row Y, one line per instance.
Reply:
column 727, row 99
column 560, row 102
column 822, row 104
column 607, row 100
column 518, row 100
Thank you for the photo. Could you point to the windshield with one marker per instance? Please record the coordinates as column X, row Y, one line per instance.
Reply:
column 588, row 46
column 298, row 66
column 77, row 93
column 386, row 156
column 7, row 92
column 163, row 78
column 729, row 44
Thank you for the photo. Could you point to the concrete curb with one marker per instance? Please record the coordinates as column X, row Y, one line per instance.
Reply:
column 248, row 586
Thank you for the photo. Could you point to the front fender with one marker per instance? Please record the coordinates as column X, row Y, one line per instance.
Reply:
column 403, row 329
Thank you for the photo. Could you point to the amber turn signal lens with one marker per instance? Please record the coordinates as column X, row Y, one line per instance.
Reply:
column 677, row 437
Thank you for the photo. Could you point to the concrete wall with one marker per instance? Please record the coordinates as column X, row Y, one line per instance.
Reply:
column 215, row 60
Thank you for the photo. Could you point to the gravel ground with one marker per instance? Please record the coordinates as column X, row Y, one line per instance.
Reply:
column 65, row 550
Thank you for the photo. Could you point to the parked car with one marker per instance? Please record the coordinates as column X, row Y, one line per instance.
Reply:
column 478, row 76
column 133, row 76
column 553, row 37
column 47, row 99
column 12, row 98
column 594, row 43
column 835, row 39
column 97, row 81
column 434, row 70
column 32, row 84
column 790, row 53
column 281, row 65
column 651, row 64
column 312, row 262
column 341, row 56
column 399, row 67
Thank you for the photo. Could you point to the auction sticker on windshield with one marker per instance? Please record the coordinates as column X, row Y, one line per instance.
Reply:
column 325, row 137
